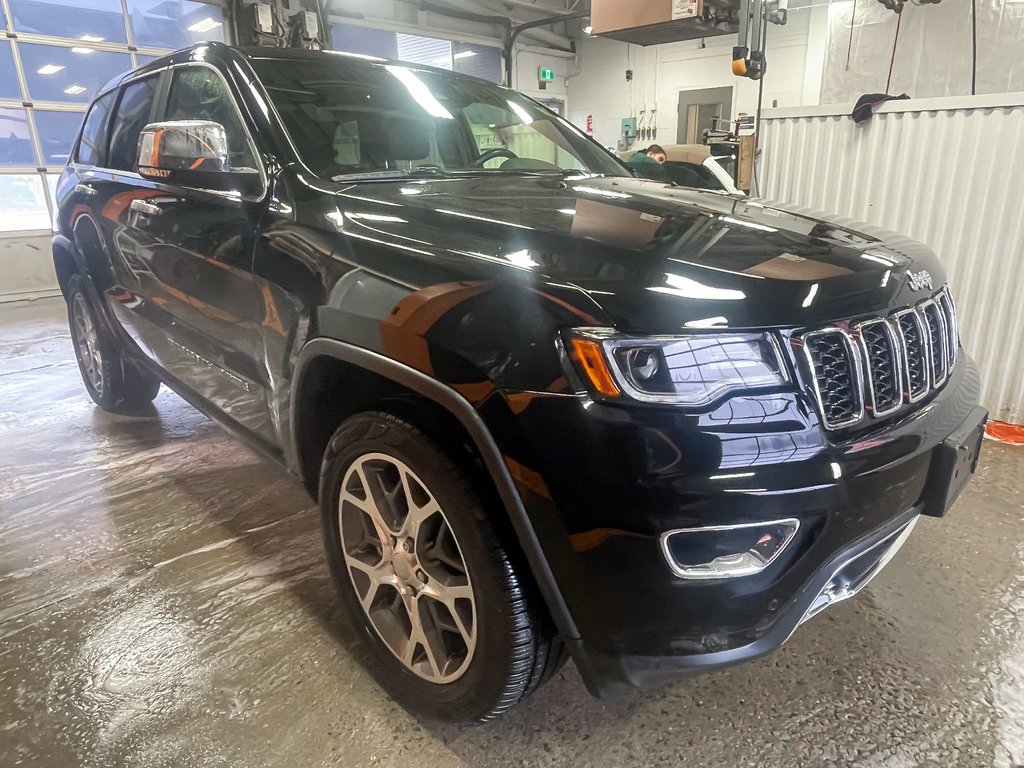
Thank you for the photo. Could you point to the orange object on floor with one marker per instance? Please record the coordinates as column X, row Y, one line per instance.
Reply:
column 1005, row 433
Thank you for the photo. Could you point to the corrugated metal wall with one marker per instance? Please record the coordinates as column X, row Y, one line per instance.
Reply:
column 947, row 172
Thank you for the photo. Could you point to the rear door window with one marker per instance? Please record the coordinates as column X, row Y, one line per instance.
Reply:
column 92, row 145
column 134, row 111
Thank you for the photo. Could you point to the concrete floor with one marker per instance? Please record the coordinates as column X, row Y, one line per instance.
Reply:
column 164, row 602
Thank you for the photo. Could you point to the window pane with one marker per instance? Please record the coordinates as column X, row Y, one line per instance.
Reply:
column 94, row 20
column 142, row 58
column 425, row 50
column 9, row 88
column 57, row 131
column 51, row 184
column 24, row 205
column 92, row 149
column 55, row 73
column 478, row 61
column 15, row 144
column 174, row 23
column 132, row 116
column 368, row 42
column 201, row 94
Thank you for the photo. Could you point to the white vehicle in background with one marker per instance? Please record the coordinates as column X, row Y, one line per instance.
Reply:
column 691, row 165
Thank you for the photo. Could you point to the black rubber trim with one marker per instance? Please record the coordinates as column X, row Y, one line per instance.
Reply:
column 461, row 409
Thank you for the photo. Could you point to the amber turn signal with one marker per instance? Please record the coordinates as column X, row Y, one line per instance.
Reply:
column 592, row 360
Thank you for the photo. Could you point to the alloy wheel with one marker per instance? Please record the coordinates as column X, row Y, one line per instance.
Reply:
column 87, row 343
column 407, row 568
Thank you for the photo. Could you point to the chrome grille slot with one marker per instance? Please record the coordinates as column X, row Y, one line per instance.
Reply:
column 917, row 378
column 945, row 302
column 882, row 355
column 834, row 363
column 938, row 342
column 877, row 366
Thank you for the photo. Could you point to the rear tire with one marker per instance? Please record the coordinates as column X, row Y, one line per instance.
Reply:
column 378, row 474
column 114, row 383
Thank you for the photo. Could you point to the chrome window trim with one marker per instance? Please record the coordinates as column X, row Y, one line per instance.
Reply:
column 942, row 352
column 680, row 571
column 909, row 395
column 897, row 360
column 857, row 375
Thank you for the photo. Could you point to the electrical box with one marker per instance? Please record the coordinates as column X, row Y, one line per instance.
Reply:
column 652, row 22
column 629, row 127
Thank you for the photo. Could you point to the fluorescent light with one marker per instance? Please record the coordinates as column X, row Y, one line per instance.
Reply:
column 522, row 259
column 83, row 51
column 521, row 113
column 747, row 224
column 603, row 192
column 74, row 90
column 49, row 69
column 464, row 54
column 810, row 295
column 419, row 91
column 204, row 25
column 91, row 38
column 374, row 217
column 691, row 289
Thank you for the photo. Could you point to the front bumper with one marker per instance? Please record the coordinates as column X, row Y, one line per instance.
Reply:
column 628, row 475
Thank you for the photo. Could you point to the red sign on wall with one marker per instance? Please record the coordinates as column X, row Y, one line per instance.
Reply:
column 590, row 124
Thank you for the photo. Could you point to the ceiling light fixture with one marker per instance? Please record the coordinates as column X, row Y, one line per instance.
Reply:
column 83, row 51
column 74, row 90
column 91, row 38
column 464, row 54
column 49, row 69
column 204, row 25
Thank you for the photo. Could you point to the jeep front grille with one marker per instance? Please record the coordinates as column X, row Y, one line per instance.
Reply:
column 875, row 367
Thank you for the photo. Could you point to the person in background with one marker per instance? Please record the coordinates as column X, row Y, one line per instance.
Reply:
column 648, row 162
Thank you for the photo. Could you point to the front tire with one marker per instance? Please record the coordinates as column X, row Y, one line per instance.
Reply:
column 114, row 383
column 452, row 631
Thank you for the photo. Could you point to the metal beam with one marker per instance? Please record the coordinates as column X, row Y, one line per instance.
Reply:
column 486, row 16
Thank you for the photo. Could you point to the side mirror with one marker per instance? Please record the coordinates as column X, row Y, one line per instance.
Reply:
column 192, row 153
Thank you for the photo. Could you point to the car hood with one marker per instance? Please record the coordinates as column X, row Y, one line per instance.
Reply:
column 654, row 257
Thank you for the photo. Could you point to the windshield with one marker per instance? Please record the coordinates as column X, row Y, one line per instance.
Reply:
column 349, row 117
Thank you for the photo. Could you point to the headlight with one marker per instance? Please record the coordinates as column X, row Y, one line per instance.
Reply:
column 692, row 370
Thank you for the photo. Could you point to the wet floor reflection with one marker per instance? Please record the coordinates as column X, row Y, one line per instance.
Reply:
column 163, row 601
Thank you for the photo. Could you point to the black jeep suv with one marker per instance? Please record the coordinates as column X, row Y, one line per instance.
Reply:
column 548, row 409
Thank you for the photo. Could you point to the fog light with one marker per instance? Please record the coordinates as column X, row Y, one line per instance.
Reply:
column 727, row 551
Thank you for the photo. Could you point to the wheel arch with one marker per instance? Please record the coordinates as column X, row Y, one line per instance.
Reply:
column 307, row 451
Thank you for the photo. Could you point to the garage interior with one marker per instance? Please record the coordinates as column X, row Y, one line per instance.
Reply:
column 163, row 594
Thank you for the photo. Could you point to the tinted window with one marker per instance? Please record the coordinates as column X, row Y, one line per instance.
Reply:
column 692, row 175
column 96, row 19
column 9, row 88
column 133, row 112
column 174, row 23
column 199, row 93
column 92, row 147
column 57, row 131
column 349, row 116
column 56, row 73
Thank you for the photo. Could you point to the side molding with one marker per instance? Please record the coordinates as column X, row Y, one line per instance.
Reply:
column 461, row 409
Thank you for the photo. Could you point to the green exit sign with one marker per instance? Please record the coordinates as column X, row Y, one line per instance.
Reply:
column 546, row 74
